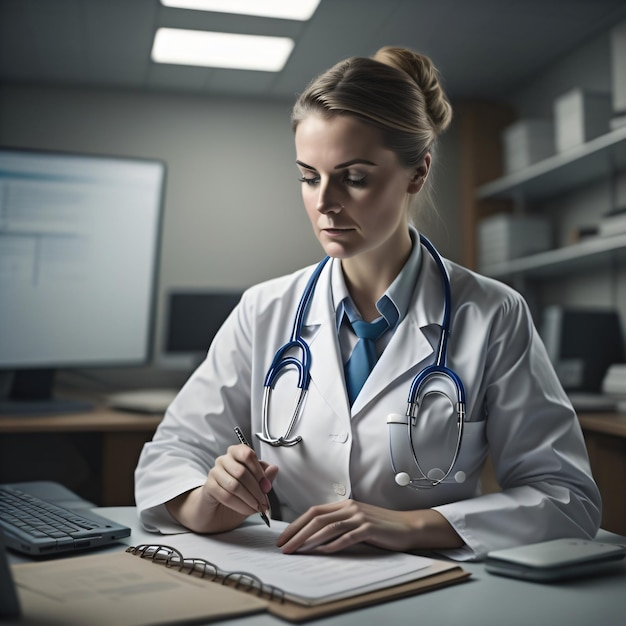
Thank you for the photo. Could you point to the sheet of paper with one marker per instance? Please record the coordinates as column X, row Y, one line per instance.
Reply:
column 306, row 578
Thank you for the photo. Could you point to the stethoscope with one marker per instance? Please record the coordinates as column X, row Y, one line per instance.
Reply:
column 435, row 379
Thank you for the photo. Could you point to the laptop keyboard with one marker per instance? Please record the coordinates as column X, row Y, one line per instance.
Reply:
column 23, row 512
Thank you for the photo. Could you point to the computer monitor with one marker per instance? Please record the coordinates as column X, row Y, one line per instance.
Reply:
column 582, row 343
column 193, row 319
column 79, row 249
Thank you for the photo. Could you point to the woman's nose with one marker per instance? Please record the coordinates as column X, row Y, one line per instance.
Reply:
column 327, row 201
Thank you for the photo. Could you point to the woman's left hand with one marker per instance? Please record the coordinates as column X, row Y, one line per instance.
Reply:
column 333, row 527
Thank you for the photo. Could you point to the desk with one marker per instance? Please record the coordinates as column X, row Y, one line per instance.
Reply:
column 486, row 600
column 605, row 436
column 122, row 437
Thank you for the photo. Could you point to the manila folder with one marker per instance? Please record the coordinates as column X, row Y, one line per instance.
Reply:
column 119, row 588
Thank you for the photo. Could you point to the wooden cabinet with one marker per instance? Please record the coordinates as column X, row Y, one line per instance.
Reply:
column 605, row 435
column 120, row 438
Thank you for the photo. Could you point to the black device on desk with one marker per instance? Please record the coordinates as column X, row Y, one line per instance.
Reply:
column 193, row 319
column 44, row 518
column 582, row 343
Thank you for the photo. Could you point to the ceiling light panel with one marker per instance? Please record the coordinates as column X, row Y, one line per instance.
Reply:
column 208, row 49
column 301, row 10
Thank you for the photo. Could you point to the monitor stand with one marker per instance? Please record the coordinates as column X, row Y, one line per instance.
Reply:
column 31, row 392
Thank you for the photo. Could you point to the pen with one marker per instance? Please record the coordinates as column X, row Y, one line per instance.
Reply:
column 242, row 439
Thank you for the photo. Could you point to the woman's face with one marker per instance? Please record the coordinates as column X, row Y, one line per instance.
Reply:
column 355, row 191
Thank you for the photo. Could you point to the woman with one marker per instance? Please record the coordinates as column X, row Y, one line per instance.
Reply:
column 364, row 134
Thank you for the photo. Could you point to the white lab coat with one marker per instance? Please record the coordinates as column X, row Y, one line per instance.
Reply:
column 516, row 411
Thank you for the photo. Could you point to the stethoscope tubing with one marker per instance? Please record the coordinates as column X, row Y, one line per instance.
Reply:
column 296, row 341
column 282, row 360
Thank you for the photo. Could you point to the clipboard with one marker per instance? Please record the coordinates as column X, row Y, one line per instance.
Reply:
column 441, row 576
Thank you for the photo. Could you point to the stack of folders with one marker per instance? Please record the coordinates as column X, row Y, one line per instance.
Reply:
column 504, row 237
column 614, row 385
column 216, row 576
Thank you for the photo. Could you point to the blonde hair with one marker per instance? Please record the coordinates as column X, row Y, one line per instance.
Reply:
column 397, row 90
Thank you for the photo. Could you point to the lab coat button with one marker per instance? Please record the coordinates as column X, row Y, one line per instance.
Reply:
column 339, row 489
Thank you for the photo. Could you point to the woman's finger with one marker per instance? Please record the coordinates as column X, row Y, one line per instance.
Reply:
column 233, row 481
column 316, row 527
column 226, row 497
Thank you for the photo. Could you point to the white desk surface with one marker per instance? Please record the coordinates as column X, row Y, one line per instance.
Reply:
column 485, row 600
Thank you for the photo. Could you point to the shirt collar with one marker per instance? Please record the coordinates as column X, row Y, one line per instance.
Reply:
column 394, row 303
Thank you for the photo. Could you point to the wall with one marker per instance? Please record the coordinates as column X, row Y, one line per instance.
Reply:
column 233, row 213
column 589, row 66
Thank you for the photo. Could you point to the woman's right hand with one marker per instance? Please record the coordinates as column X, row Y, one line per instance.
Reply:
column 236, row 487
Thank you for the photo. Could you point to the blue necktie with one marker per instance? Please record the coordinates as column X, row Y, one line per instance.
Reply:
column 363, row 357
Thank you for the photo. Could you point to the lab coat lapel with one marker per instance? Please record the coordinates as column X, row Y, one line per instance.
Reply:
column 412, row 345
column 407, row 350
column 321, row 334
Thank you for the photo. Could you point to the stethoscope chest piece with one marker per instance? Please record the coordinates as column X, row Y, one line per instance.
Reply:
column 287, row 439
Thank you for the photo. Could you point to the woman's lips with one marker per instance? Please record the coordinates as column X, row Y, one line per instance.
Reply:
column 335, row 232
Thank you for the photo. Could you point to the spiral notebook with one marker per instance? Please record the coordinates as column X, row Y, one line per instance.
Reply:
column 299, row 587
column 246, row 563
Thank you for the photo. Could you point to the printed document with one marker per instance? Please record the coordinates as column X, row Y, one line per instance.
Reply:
column 304, row 578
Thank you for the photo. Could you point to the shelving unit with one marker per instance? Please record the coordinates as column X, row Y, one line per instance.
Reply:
column 584, row 255
column 562, row 172
column 596, row 160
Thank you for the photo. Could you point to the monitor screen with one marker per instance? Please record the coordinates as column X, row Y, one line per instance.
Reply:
column 193, row 319
column 79, row 246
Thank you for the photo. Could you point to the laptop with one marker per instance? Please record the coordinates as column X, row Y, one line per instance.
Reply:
column 44, row 518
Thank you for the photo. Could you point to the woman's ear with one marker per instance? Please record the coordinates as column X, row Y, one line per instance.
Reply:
column 420, row 175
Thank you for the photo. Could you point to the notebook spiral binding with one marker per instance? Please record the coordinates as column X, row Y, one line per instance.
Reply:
column 170, row 557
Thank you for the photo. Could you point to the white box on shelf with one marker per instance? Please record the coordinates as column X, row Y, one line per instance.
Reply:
column 618, row 68
column 504, row 237
column 613, row 223
column 618, row 121
column 579, row 116
column 526, row 142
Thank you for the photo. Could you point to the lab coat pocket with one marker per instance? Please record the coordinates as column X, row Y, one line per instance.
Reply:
column 435, row 432
column 472, row 453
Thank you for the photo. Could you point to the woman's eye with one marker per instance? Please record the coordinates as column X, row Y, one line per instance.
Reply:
column 309, row 180
column 356, row 182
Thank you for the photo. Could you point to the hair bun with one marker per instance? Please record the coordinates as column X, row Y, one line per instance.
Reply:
column 422, row 70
